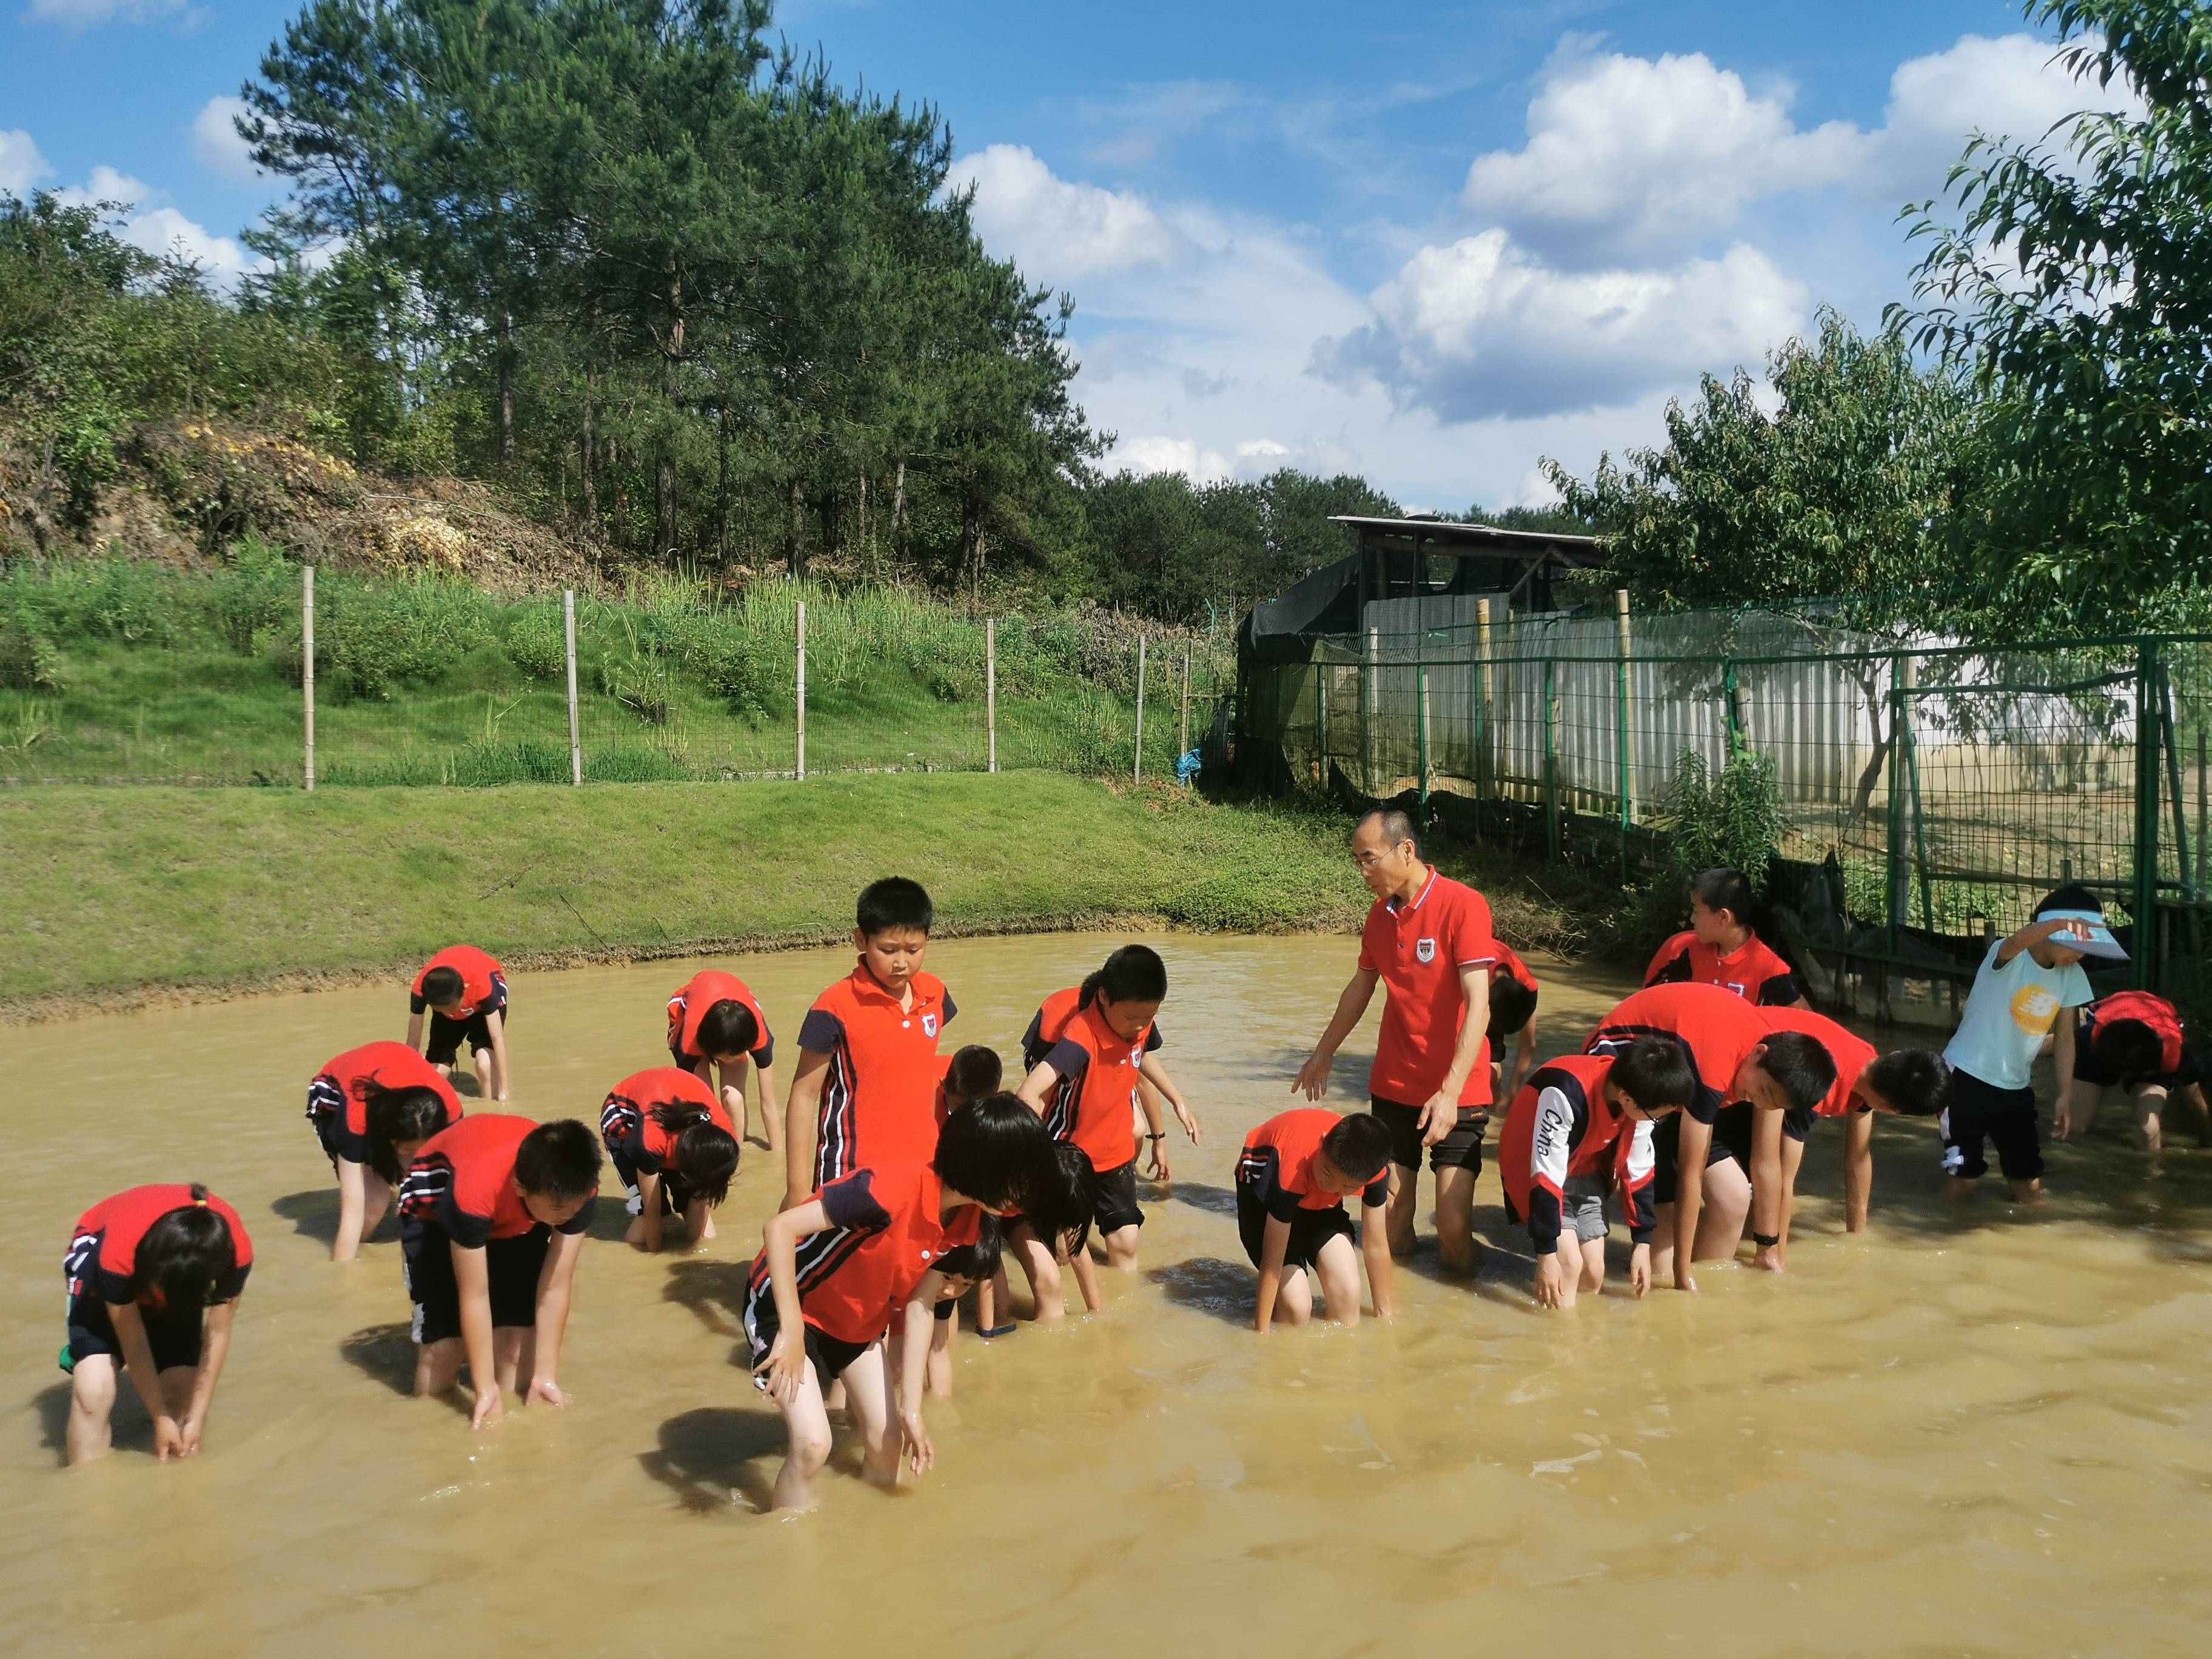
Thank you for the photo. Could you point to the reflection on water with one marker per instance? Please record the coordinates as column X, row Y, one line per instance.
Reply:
column 1964, row 1434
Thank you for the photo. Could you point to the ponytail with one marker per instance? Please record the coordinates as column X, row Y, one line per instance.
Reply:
column 1133, row 974
column 186, row 1256
column 705, row 1153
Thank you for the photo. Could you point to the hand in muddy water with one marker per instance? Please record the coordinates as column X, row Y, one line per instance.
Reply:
column 920, row 1453
column 490, row 1409
column 545, row 1388
column 169, row 1439
column 1639, row 1271
column 1551, row 1282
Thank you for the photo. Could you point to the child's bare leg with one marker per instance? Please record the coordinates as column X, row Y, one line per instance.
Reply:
column 940, row 1354
column 1337, row 1267
column 438, row 1366
column 92, row 1408
column 375, row 1198
column 1728, row 1206
column 1042, row 1272
column 1404, row 1184
column 1593, row 1277
column 870, row 1395
column 2150, row 1110
column 1121, row 1248
column 514, row 1347
column 1456, row 1245
column 488, row 1078
column 1086, row 1280
column 698, row 1221
column 1662, row 1244
column 1293, row 1298
column 635, row 1233
column 807, row 1422
column 993, row 1302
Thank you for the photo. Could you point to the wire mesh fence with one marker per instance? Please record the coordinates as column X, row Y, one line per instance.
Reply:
column 1944, row 787
column 113, row 671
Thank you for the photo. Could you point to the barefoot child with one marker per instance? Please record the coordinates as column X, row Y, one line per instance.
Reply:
column 1295, row 1172
column 864, row 1088
column 1512, row 1017
column 373, row 1107
column 971, row 1073
column 715, row 1020
column 464, row 993
column 1084, row 1089
column 2027, row 988
column 1722, row 948
column 836, row 1270
column 675, row 1148
column 1583, row 1122
column 493, row 1215
column 2136, row 1041
column 154, row 1274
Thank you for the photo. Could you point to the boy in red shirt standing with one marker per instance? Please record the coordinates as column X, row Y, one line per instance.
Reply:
column 464, row 993
column 865, row 1089
column 1429, row 938
column 715, row 1020
column 492, row 1216
column 1293, row 1176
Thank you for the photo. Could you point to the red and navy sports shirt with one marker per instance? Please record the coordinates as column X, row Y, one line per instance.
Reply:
column 1093, row 1099
column 1562, row 1126
column 103, row 1250
column 463, row 1183
column 2155, row 1011
column 1049, row 1024
column 626, row 1121
column 1419, row 949
column 340, row 1091
column 1716, row 1029
column 700, row 993
column 1753, row 973
column 886, row 1230
column 1277, row 1165
column 484, row 983
column 880, row 1099
column 1851, row 1053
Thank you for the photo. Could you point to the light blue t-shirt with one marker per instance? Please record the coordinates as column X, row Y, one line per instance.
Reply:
column 2008, row 1013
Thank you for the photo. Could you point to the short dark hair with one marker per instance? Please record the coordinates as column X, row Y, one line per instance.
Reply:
column 443, row 987
column 894, row 901
column 2072, row 896
column 2130, row 1047
column 1916, row 1082
column 728, row 1028
column 1512, row 1005
column 995, row 1151
column 391, row 1115
column 976, row 1071
column 706, row 1153
column 185, row 1256
column 1133, row 974
column 1802, row 1064
column 558, row 1161
column 1655, row 1074
column 979, row 1260
column 1724, row 890
column 1358, row 1145
column 1394, row 826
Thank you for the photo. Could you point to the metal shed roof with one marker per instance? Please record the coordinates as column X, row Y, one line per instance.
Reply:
column 1445, row 536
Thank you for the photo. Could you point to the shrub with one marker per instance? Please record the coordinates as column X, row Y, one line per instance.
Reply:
column 537, row 642
column 28, row 661
column 254, row 596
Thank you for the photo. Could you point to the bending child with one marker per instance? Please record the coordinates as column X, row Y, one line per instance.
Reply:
column 715, row 1020
column 1513, row 991
column 2133, row 1040
column 675, row 1148
column 1295, row 1172
column 373, row 1107
column 464, row 992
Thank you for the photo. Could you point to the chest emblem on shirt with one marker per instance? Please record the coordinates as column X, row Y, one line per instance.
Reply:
column 929, row 1025
column 1425, row 952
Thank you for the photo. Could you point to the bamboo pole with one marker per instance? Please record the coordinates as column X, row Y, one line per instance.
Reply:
column 307, row 669
column 1183, row 747
column 1367, row 678
column 800, row 733
column 575, row 724
column 991, row 690
column 1137, row 768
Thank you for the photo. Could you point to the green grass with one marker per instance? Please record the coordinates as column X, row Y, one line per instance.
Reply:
column 115, row 890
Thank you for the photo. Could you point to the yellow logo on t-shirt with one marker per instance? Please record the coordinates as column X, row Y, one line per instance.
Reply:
column 2034, row 1008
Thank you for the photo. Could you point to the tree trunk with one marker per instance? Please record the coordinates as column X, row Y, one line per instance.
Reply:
column 506, row 386
column 590, row 454
column 898, row 515
column 664, row 480
column 825, row 514
column 976, row 571
column 792, row 554
column 866, row 536
column 722, row 485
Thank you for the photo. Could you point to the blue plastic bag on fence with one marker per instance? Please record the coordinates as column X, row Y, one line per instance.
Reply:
column 1188, row 768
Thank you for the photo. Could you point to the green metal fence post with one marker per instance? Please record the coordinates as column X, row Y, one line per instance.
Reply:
column 1321, row 718
column 1551, row 765
column 1482, row 709
column 1728, row 695
column 1894, row 898
column 2142, row 957
column 2178, row 802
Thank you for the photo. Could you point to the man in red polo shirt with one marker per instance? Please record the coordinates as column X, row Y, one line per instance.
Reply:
column 1428, row 937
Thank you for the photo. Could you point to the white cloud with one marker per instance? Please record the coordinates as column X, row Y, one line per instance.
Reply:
column 1482, row 329
column 84, row 13
column 145, row 222
column 1144, row 456
column 1055, row 229
column 21, row 167
column 216, row 145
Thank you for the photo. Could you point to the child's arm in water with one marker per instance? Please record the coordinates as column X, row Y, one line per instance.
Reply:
column 555, row 1281
column 1524, row 1060
column 473, row 1277
column 353, row 1208
column 215, row 1348
column 414, row 1031
column 495, row 1023
column 1274, row 1244
column 1374, row 1251
column 1858, row 1170
column 913, row 1365
column 1086, row 1279
column 138, row 1360
column 1770, row 1187
column 802, row 1126
column 1153, row 1072
column 784, row 1370
column 2061, row 1052
column 1312, row 1080
column 771, row 1126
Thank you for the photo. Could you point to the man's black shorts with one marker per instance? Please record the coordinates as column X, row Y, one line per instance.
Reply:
column 512, row 1265
column 1460, row 1149
column 447, row 1036
column 1981, row 1110
column 2089, row 1069
column 1114, row 1203
column 1667, row 1153
column 174, row 1340
column 1309, row 1229
column 830, row 1354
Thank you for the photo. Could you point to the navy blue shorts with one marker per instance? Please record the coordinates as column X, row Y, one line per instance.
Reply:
column 175, row 1340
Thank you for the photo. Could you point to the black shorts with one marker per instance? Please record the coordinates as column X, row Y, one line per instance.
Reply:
column 447, row 1036
column 830, row 1354
column 1114, row 1204
column 175, row 1340
column 326, row 1133
column 946, row 1307
column 1667, row 1154
column 2089, row 1069
column 675, row 1196
column 1981, row 1110
column 512, row 1265
column 1460, row 1149
column 1309, row 1229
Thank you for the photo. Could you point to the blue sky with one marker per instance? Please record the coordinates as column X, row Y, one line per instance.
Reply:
column 1432, row 245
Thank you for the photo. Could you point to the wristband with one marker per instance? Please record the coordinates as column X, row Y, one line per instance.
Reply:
column 1161, row 1136
column 1766, row 1241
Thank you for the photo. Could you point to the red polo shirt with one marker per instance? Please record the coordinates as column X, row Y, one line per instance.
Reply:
column 341, row 1087
column 1091, row 1104
column 626, row 1123
column 463, row 1183
column 1753, row 973
column 1419, row 949
column 1851, row 1053
column 103, row 1251
column 879, row 1101
column 1562, row 1125
column 887, row 1231
column 1049, row 1024
column 2155, row 1011
column 484, row 983
column 1277, row 1165
column 689, row 1005
column 1717, row 1029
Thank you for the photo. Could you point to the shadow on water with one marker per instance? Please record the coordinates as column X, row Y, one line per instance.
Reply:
column 707, row 1455
column 383, row 1353
column 314, row 1213
column 610, row 1217
column 1200, row 1195
column 51, row 1403
column 1210, row 1285
column 715, row 1292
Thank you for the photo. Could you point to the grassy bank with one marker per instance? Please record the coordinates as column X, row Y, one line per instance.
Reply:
column 120, row 893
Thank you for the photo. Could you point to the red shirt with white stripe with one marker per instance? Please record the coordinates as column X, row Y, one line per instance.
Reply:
column 1419, row 949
